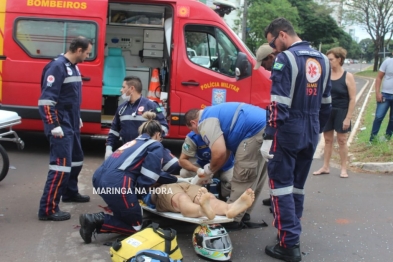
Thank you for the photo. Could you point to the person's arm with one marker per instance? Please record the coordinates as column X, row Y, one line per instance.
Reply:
column 214, row 138
column 171, row 163
column 351, row 85
column 219, row 155
column 326, row 103
column 114, row 132
column 378, row 82
column 277, row 112
column 189, row 149
column 51, row 81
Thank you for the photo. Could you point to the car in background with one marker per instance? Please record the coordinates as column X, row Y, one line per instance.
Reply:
column 364, row 62
column 347, row 62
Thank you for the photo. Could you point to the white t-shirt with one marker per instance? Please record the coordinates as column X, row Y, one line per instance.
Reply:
column 387, row 68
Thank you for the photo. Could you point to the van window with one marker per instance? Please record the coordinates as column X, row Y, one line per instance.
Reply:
column 49, row 38
column 214, row 50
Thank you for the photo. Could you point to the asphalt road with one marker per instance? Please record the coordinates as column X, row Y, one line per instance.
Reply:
column 344, row 219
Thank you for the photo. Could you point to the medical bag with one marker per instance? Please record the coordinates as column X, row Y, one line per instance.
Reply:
column 152, row 256
column 151, row 237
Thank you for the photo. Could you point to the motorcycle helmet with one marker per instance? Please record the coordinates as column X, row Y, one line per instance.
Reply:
column 212, row 241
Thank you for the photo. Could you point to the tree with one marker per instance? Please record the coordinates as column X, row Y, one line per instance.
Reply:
column 377, row 18
column 261, row 13
column 367, row 47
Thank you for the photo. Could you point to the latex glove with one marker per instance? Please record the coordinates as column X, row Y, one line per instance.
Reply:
column 265, row 149
column 201, row 178
column 186, row 180
column 57, row 131
column 108, row 152
column 80, row 123
column 207, row 170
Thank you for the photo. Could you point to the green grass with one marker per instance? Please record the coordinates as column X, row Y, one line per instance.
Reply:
column 378, row 151
column 367, row 73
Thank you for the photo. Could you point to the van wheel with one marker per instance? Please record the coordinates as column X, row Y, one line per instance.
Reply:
column 4, row 163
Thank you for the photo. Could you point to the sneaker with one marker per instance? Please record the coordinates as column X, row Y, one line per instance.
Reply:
column 58, row 216
column 77, row 198
column 291, row 254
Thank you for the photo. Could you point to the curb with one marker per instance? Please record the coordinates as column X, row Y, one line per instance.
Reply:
column 374, row 166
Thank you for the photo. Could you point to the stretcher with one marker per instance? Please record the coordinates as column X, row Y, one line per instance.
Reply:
column 7, row 120
column 180, row 217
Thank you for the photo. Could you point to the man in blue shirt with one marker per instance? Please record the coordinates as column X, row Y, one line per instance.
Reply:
column 194, row 146
column 235, row 128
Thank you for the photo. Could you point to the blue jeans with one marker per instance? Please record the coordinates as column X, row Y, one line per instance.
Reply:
column 382, row 109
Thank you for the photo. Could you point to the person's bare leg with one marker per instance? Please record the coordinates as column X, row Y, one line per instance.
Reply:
column 183, row 204
column 241, row 204
column 343, row 150
column 203, row 198
column 327, row 154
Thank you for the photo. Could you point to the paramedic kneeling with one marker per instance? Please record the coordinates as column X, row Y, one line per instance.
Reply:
column 194, row 146
column 131, row 169
column 237, row 128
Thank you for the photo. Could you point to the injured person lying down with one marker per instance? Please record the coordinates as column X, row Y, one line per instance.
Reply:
column 195, row 201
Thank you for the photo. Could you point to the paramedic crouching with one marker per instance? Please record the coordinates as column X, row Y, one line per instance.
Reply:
column 128, row 117
column 133, row 168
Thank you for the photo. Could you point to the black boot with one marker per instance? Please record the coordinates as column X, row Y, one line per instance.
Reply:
column 89, row 224
column 267, row 202
column 291, row 254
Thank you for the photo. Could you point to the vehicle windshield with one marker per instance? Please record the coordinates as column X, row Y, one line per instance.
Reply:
column 244, row 45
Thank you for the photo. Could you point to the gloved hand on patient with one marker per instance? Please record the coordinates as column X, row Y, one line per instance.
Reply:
column 202, row 176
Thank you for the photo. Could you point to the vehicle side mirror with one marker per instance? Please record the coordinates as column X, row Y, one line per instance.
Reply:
column 243, row 66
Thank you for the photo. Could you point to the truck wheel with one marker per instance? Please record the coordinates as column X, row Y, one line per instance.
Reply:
column 4, row 163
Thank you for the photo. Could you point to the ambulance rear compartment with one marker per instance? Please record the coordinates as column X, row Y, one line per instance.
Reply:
column 136, row 42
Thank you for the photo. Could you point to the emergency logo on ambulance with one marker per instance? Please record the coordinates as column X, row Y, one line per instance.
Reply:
column 50, row 80
column 313, row 70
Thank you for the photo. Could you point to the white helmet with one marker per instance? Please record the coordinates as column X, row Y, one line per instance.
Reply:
column 212, row 241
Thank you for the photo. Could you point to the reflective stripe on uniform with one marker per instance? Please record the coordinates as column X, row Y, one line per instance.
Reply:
column 281, row 191
column 136, row 153
column 60, row 168
column 133, row 118
column 170, row 163
column 298, row 191
column 114, row 132
column 137, row 228
column 77, row 163
column 46, row 102
column 281, row 99
column 164, row 129
column 72, row 79
column 149, row 173
column 295, row 71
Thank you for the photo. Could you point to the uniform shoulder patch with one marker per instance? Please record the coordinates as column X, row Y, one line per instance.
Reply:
column 158, row 109
column 186, row 146
column 278, row 66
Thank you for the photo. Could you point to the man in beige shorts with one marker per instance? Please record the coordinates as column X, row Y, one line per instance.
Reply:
column 194, row 201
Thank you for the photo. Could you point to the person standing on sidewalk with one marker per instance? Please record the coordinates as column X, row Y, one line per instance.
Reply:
column 59, row 107
column 384, row 99
column 300, row 107
column 343, row 105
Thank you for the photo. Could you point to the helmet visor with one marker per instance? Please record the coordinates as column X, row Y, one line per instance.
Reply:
column 221, row 243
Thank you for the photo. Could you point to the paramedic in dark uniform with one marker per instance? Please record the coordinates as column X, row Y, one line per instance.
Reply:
column 128, row 117
column 130, row 170
column 300, row 106
column 59, row 107
column 194, row 146
column 235, row 128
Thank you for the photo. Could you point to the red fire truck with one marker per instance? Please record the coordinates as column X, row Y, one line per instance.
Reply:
column 201, row 60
